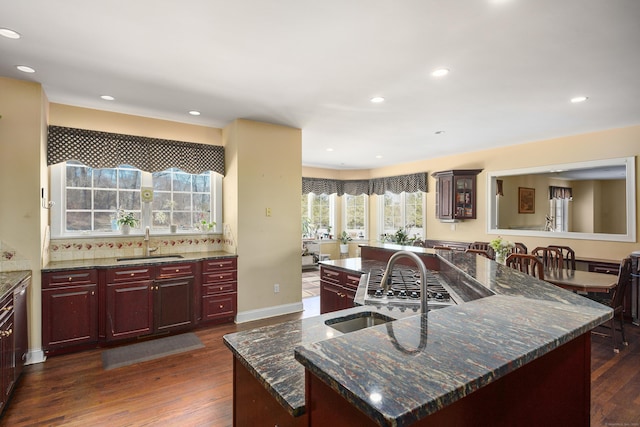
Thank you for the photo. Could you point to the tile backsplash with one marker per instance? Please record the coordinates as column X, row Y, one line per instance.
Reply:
column 110, row 247
column 11, row 260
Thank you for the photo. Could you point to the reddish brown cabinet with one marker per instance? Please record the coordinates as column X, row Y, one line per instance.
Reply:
column 69, row 308
column 456, row 194
column 219, row 290
column 337, row 289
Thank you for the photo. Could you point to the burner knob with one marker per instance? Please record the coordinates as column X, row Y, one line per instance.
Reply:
column 378, row 293
column 414, row 294
column 402, row 294
column 390, row 294
column 439, row 296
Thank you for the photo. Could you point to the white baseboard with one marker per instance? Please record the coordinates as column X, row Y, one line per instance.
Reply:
column 264, row 313
column 35, row 356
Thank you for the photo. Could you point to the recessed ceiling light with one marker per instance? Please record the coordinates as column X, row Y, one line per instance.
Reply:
column 577, row 99
column 10, row 34
column 440, row 72
column 194, row 113
column 107, row 97
column 378, row 156
column 377, row 99
column 329, row 149
column 25, row 69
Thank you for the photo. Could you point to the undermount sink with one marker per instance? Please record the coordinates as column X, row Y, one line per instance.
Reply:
column 157, row 258
column 357, row 321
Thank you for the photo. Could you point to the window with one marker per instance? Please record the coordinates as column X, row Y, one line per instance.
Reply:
column 88, row 199
column 318, row 213
column 402, row 211
column 559, row 214
column 355, row 210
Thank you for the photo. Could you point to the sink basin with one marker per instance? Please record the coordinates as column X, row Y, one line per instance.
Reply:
column 158, row 258
column 357, row 321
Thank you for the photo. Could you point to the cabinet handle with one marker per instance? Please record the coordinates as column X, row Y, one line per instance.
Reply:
column 221, row 276
column 221, row 287
column 93, row 293
column 221, row 306
column 6, row 333
column 178, row 271
column 70, row 278
column 7, row 308
column 133, row 274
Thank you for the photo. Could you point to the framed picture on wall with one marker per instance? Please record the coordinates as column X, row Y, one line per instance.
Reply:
column 526, row 200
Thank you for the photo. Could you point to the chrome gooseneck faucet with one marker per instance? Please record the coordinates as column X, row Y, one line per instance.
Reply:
column 422, row 269
column 147, row 249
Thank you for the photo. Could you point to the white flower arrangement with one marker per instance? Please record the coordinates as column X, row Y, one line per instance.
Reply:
column 501, row 247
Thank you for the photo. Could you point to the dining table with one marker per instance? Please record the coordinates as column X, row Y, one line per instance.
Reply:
column 578, row 280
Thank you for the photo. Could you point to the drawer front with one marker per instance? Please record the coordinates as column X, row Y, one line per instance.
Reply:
column 329, row 275
column 220, row 276
column 175, row 270
column 220, row 288
column 605, row 268
column 352, row 280
column 220, row 264
column 118, row 275
column 214, row 307
column 69, row 277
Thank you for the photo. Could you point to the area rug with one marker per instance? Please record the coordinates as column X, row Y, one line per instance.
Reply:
column 149, row 350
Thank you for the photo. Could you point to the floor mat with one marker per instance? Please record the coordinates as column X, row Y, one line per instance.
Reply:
column 149, row 350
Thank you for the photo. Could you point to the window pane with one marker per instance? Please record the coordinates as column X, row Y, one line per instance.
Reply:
column 182, row 201
column 162, row 181
column 181, row 182
column 129, row 200
column 201, row 202
column 78, row 221
column 201, row 183
column 182, row 220
column 105, row 178
column 129, row 178
column 102, row 221
column 78, row 199
column 78, row 176
column 105, row 199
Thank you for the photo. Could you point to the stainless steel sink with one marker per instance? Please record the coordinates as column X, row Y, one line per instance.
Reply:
column 154, row 258
column 357, row 321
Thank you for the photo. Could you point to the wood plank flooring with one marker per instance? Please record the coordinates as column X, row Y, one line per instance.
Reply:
column 195, row 388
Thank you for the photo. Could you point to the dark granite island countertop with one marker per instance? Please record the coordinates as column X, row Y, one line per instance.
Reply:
column 405, row 370
column 9, row 279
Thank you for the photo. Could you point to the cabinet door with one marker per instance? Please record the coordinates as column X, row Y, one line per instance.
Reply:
column 129, row 309
column 7, row 363
column 173, row 304
column 331, row 298
column 445, row 197
column 69, row 316
column 219, row 307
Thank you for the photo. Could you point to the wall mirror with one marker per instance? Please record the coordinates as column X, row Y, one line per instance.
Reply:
column 593, row 200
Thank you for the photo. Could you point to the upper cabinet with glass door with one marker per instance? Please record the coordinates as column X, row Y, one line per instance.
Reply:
column 456, row 194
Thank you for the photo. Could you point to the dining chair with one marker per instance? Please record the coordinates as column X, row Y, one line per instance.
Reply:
column 519, row 248
column 483, row 246
column 615, row 300
column 478, row 252
column 527, row 263
column 568, row 255
column 551, row 257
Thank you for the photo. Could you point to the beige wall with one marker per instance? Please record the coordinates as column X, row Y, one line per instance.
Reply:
column 22, row 175
column 597, row 145
column 264, row 172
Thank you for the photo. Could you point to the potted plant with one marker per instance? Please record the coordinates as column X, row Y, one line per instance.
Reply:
column 125, row 221
column 344, row 242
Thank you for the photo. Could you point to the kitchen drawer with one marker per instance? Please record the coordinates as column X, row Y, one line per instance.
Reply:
column 219, row 306
column 175, row 270
column 220, row 288
column 131, row 274
column 604, row 267
column 69, row 277
column 352, row 280
column 219, row 264
column 331, row 276
column 219, row 276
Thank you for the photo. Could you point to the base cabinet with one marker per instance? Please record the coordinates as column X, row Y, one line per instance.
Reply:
column 13, row 339
column 337, row 289
column 219, row 290
column 69, row 309
column 129, row 309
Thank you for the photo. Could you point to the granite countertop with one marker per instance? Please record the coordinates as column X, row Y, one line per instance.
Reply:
column 9, row 279
column 135, row 261
column 418, row 364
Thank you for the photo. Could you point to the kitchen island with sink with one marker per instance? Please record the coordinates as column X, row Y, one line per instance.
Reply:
column 519, row 355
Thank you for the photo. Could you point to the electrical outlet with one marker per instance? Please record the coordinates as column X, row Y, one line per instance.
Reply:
column 276, row 288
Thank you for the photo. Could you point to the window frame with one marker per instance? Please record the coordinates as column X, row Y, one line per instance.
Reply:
column 332, row 212
column 345, row 220
column 57, row 173
column 403, row 213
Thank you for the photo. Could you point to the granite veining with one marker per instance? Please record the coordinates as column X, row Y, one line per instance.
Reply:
column 404, row 370
column 9, row 279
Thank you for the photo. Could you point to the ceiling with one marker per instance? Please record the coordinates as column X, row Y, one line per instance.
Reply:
column 314, row 65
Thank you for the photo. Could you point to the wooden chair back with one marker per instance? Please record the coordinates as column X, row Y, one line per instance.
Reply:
column 445, row 248
column 483, row 246
column 551, row 257
column 479, row 252
column 568, row 255
column 527, row 263
column 519, row 248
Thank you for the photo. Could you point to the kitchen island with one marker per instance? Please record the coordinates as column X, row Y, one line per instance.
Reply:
column 522, row 353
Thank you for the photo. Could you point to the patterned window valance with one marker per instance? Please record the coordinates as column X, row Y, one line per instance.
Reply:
column 560, row 193
column 396, row 184
column 108, row 150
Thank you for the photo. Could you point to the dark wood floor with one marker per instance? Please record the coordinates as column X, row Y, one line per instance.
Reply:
column 194, row 389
